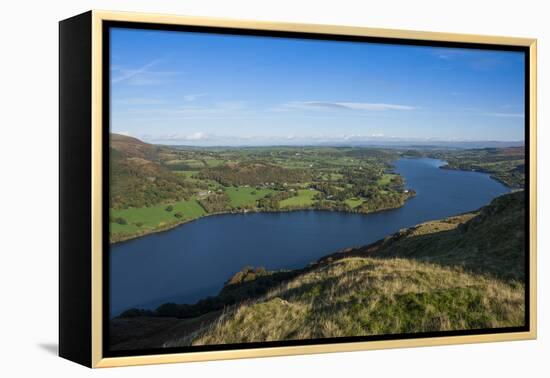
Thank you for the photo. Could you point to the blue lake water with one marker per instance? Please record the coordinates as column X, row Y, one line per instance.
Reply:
column 193, row 260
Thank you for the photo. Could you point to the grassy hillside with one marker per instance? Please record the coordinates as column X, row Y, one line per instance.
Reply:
column 368, row 296
column 137, row 178
column 463, row 272
column 143, row 220
column 489, row 241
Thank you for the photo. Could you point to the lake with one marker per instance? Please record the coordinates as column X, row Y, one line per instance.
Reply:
column 193, row 260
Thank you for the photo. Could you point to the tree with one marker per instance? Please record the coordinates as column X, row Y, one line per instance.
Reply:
column 169, row 208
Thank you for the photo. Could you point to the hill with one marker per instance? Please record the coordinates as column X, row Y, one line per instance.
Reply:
column 491, row 240
column 255, row 173
column 463, row 272
column 367, row 296
column 504, row 164
column 129, row 147
column 137, row 177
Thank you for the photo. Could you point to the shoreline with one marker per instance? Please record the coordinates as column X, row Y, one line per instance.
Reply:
column 490, row 174
column 172, row 226
column 254, row 211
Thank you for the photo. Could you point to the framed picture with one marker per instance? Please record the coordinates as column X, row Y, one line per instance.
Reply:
column 236, row 189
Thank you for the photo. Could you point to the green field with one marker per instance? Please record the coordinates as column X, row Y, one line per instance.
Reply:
column 144, row 218
column 242, row 196
column 303, row 199
column 386, row 179
column 354, row 202
column 146, row 178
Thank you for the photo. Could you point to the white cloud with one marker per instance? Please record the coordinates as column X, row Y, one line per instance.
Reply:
column 197, row 136
column 369, row 106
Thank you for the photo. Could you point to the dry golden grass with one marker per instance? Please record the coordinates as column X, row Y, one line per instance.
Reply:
column 369, row 296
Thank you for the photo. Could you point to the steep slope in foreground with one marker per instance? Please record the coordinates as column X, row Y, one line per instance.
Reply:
column 461, row 273
column 366, row 296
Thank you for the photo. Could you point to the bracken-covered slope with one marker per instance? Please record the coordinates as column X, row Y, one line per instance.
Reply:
column 137, row 177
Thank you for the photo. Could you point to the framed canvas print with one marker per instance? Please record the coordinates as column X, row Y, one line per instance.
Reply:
column 236, row 189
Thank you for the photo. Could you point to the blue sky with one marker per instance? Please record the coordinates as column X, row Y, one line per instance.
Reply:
column 206, row 89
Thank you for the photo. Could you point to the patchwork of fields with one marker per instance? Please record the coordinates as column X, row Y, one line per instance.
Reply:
column 158, row 187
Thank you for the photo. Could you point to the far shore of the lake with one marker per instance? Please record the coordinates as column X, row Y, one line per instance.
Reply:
column 168, row 227
column 479, row 170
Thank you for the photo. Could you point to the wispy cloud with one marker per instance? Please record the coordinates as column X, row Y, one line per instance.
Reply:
column 193, row 97
column 369, row 106
column 125, row 74
column 142, row 75
column 505, row 115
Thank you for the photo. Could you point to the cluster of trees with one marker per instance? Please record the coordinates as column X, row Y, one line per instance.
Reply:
column 330, row 191
column 356, row 184
column 139, row 183
column 119, row 220
column 376, row 201
column 324, row 204
column 271, row 201
column 255, row 174
column 215, row 203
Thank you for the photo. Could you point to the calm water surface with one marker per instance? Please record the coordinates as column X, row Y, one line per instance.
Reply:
column 193, row 260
